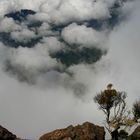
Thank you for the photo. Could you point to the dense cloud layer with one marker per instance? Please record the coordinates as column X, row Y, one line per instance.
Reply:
column 59, row 50
column 74, row 32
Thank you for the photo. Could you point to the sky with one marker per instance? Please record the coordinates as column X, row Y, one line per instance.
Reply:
column 39, row 90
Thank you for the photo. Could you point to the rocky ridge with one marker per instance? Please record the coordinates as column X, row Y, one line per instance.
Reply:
column 6, row 135
column 86, row 131
column 135, row 135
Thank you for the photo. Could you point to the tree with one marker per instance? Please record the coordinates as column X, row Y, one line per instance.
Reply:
column 112, row 103
column 136, row 110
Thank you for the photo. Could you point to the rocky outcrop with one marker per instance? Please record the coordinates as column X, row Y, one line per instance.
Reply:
column 136, row 134
column 86, row 131
column 6, row 135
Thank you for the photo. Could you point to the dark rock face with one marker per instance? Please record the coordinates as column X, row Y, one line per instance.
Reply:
column 86, row 131
column 136, row 134
column 6, row 135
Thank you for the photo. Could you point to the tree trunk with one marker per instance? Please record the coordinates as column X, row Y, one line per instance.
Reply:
column 108, row 115
column 115, row 134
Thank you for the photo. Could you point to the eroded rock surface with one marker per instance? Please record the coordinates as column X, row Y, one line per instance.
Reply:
column 6, row 135
column 86, row 131
column 136, row 134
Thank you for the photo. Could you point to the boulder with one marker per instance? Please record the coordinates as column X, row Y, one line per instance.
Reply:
column 136, row 134
column 86, row 131
column 6, row 135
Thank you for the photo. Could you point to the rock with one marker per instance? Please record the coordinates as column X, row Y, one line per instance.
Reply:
column 136, row 134
column 6, row 135
column 86, row 131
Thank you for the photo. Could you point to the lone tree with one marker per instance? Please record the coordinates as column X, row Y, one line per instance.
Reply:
column 136, row 110
column 113, row 104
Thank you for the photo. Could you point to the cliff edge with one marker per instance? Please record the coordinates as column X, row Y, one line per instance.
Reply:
column 86, row 131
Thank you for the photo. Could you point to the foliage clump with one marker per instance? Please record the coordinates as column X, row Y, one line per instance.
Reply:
column 136, row 110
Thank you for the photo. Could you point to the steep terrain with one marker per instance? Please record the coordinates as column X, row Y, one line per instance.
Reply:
column 135, row 135
column 6, row 135
column 86, row 131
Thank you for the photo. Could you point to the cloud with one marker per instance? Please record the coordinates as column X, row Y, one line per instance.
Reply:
column 23, row 36
column 7, row 6
column 83, row 36
column 44, row 29
column 27, row 63
column 56, row 46
column 124, row 54
column 53, row 44
column 75, row 10
column 8, row 25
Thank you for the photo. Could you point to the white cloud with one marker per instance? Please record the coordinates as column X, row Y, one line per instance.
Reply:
column 121, row 65
column 29, row 63
column 3, row 54
column 7, row 6
column 53, row 44
column 44, row 29
column 84, row 36
column 62, row 11
column 124, row 54
column 23, row 36
column 8, row 25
